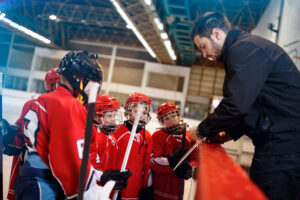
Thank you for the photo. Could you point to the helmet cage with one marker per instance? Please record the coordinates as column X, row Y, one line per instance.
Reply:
column 130, row 111
column 109, row 121
column 172, row 122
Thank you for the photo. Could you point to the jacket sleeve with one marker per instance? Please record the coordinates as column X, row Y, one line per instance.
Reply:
column 159, row 162
column 247, row 68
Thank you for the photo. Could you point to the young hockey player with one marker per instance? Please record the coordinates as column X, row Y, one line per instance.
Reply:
column 54, row 131
column 139, row 157
column 15, row 145
column 169, row 145
column 52, row 79
column 108, row 119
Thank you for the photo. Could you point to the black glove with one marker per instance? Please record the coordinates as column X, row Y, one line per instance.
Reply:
column 184, row 170
column 174, row 157
column 146, row 193
column 8, row 133
column 115, row 175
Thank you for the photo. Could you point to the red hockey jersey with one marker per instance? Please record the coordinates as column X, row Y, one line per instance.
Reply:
column 165, row 182
column 19, row 143
column 54, row 128
column 106, row 152
column 138, row 161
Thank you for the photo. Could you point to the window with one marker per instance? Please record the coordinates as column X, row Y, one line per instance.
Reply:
column 14, row 82
column 127, row 72
column 21, row 57
column 164, row 81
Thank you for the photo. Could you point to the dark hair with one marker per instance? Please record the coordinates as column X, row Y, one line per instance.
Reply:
column 208, row 21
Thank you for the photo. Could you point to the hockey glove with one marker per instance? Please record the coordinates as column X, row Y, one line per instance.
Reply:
column 146, row 193
column 174, row 157
column 184, row 171
column 8, row 133
column 115, row 175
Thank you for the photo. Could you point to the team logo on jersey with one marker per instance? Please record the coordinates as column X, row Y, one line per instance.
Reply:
column 26, row 122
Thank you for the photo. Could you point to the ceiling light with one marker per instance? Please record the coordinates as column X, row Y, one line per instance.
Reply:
column 170, row 50
column 164, row 36
column 53, row 17
column 2, row 15
column 131, row 25
column 128, row 26
column 24, row 29
column 148, row 2
column 160, row 26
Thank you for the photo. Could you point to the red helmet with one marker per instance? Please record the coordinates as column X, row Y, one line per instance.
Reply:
column 106, row 103
column 164, row 108
column 169, row 116
column 135, row 98
column 51, row 79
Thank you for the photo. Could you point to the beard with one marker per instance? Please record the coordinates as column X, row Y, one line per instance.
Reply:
column 216, row 49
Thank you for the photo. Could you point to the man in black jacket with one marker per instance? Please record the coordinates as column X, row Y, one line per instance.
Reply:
column 261, row 99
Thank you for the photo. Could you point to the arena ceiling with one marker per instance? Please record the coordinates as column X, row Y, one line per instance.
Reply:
column 99, row 21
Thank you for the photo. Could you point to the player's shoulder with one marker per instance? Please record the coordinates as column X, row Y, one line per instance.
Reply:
column 27, row 105
column 159, row 134
column 120, row 132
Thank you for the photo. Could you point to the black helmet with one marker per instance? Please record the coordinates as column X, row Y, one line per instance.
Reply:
column 80, row 67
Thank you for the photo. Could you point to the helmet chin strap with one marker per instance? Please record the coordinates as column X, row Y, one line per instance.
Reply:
column 174, row 130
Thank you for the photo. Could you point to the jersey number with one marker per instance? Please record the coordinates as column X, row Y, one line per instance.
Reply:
column 31, row 126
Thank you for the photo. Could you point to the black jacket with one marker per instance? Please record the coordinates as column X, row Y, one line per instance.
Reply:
column 261, row 93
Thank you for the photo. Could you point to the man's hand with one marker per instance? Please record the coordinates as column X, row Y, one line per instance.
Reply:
column 115, row 175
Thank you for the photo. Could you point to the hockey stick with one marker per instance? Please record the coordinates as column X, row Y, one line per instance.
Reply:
column 180, row 184
column 189, row 152
column 1, row 140
column 87, row 137
column 129, row 145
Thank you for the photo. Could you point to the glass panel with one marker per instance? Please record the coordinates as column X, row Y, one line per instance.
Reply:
column 167, row 82
column 21, row 57
column 14, row 82
column 126, row 72
column 195, row 111
column 45, row 64
column 4, row 50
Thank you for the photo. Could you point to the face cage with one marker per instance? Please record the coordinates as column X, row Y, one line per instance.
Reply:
column 172, row 123
column 131, row 110
column 109, row 121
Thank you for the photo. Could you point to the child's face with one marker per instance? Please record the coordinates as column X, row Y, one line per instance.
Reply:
column 107, row 118
column 171, row 119
column 134, row 111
